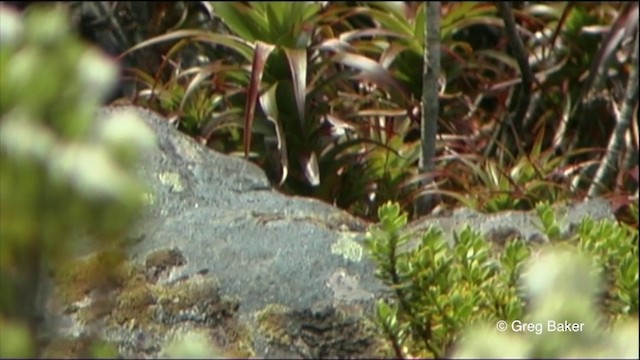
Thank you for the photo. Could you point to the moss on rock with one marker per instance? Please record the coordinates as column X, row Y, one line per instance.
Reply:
column 106, row 286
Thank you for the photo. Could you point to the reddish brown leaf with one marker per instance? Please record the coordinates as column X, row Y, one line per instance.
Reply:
column 260, row 56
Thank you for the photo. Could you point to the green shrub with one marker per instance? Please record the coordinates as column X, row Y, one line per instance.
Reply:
column 439, row 290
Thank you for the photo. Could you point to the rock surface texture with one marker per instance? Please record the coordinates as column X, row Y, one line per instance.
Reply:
column 261, row 273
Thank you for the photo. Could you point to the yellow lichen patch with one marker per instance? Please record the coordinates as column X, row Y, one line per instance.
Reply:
column 106, row 285
column 134, row 305
column 161, row 260
column 347, row 247
column 272, row 323
column 165, row 258
column 194, row 300
column 171, row 179
column 346, row 287
column 236, row 341
column 160, row 307
column 104, row 271
column 198, row 301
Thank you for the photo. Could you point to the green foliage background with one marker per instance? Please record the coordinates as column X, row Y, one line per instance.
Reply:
column 325, row 96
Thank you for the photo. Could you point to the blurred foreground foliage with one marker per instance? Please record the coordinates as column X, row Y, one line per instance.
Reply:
column 63, row 177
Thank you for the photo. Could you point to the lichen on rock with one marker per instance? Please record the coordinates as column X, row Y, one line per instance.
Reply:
column 107, row 289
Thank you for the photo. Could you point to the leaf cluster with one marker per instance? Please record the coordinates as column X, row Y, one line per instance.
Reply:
column 438, row 289
column 326, row 96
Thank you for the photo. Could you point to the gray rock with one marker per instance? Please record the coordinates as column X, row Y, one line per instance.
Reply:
column 215, row 227
column 507, row 224
column 261, row 273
